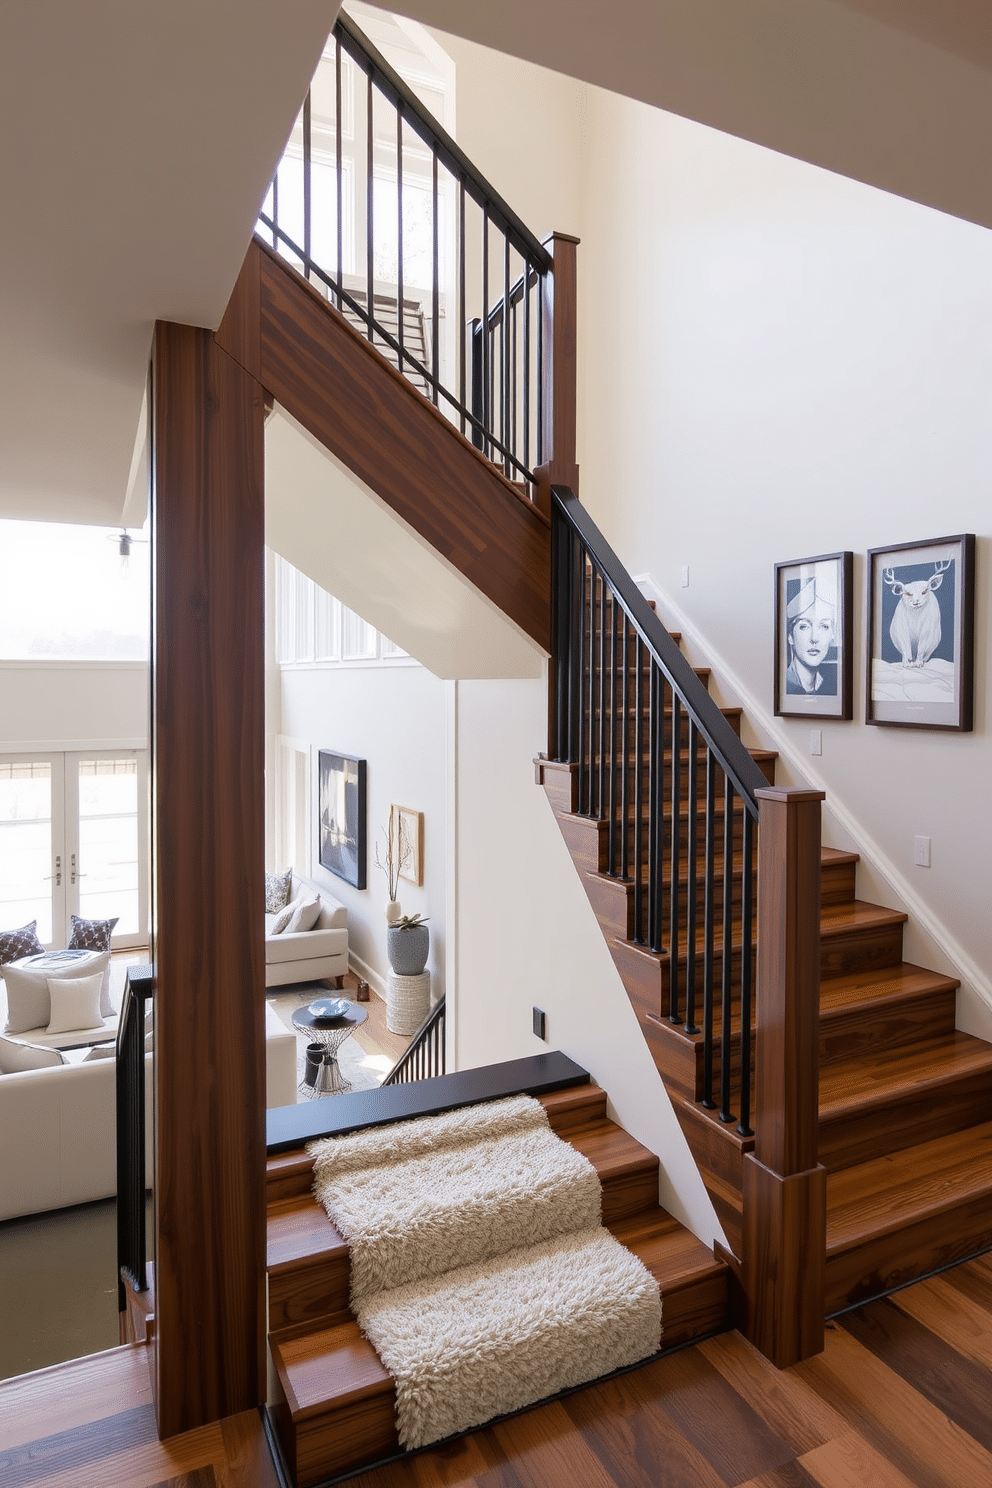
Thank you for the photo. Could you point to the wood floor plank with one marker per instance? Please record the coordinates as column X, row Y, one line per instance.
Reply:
column 789, row 1475
column 637, row 1443
column 786, row 1404
column 973, row 1280
column 137, row 1466
column 951, row 1382
column 716, row 1419
column 544, row 1449
column 897, row 1421
column 850, row 1462
column 952, row 1316
column 87, row 1390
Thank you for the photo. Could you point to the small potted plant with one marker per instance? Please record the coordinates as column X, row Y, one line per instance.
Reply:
column 407, row 936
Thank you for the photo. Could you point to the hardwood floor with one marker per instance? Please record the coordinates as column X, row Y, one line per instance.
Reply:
column 900, row 1398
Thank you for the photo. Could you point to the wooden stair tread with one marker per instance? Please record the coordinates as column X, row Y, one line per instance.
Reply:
column 298, row 1230
column 611, row 1150
column 327, row 1369
column 904, row 980
column 887, row 1193
column 670, row 1252
column 839, row 919
column 873, row 1078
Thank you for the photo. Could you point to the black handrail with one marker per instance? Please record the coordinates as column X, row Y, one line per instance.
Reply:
column 424, row 1059
column 494, row 390
column 139, row 990
column 651, row 747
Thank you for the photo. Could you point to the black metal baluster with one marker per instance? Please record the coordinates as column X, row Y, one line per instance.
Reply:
column 747, row 887
column 614, row 621
column 339, row 163
column 676, row 854
column 436, row 303
column 514, row 384
column 581, row 627
column 526, row 359
column 486, row 405
column 638, row 795
column 575, row 634
column 590, row 619
column 708, row 915
column 307, row 186
column 399, row 234
column 539, row 432
column 726, row 1009
column 370, row 225
column 505, row 363
column 692, row 848
column 601, row 792
column 655, row 766
column 462, row 322
column 624, row 711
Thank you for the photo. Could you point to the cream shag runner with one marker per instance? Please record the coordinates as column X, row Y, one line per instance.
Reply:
column 480, row 1271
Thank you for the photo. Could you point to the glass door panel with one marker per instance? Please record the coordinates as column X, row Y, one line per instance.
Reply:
column 31, row 857
column 105, row 815
column 107, row 864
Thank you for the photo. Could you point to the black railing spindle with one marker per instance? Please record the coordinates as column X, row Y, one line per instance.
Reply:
column 139, row 989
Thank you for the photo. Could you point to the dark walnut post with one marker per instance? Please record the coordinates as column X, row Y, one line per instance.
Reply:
column 558, row 372
column 208, row 813
column 785, row 1222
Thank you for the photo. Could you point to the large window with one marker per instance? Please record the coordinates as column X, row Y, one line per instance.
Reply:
column 66, row 594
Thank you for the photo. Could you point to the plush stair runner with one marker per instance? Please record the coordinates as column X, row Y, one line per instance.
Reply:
column 503, row 1287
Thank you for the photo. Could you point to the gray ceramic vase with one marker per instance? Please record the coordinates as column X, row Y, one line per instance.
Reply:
column 408, row 948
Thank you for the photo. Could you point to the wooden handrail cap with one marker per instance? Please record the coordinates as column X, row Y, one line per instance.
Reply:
column 559, row 237
column 790, row 793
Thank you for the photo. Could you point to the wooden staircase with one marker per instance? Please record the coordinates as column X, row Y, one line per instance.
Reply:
column 334, row 1401
column 905, row 1100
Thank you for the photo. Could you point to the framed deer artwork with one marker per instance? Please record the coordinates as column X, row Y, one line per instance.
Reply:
column 921, row 634
column 814, row 647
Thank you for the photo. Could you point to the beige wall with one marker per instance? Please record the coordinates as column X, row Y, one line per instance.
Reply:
column 64, row 705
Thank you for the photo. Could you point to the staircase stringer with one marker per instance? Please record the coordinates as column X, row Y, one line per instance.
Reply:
column 717, row 1149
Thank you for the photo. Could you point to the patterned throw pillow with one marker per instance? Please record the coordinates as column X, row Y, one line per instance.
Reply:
column 17, row 943
column 278, row 887
column 90, row 935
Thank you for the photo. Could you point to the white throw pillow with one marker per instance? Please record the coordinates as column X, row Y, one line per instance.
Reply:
column 15, row 1056
column 75, row 1003
column 282, row 919
column 306, row 914
column 29, row 1003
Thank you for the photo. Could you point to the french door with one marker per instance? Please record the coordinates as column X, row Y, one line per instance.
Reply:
column 74, row 840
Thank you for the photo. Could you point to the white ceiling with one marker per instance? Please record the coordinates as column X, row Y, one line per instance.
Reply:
column 138, row 138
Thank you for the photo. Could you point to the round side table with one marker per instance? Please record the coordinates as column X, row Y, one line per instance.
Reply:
column 331, row 1033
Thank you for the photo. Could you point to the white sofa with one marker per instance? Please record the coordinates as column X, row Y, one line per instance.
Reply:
column 58, row 1133
column 308, row 955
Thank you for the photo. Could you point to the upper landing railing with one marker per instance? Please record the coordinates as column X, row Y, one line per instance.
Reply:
column 383, row 213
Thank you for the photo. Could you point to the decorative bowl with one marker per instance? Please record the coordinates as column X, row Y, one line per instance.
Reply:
column 329, row 1007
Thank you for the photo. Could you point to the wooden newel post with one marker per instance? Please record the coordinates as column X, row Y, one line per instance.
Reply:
column 784, row 1194
column 558, row 372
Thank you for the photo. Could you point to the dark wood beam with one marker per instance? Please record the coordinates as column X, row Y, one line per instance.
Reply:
column 208, row 804
column 325, row 374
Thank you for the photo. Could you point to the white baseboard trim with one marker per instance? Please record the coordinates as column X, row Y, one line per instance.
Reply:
column 944, row 944
column 375, row 980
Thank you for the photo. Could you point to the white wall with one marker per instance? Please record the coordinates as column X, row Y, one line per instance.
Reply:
column 394, row 717
column 52, row 705
column 787, row 364
column 527, row 936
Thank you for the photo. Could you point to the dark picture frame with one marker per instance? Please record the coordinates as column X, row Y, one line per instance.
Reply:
column 341, row 824
column 921, row 634
column 814, row 637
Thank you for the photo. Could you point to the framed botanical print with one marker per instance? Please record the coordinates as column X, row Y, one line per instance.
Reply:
column 814, row 647
column 921, row 634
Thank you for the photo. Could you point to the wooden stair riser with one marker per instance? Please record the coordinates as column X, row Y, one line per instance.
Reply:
column 881, row 1262
column 905, row 1119
column 590, row 730
column 868, row 950
column 891, row 1024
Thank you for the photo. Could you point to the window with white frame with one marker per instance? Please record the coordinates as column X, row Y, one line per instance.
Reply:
column 313, row 628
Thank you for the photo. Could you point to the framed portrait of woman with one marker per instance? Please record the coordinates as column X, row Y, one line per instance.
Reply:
column 814, row 645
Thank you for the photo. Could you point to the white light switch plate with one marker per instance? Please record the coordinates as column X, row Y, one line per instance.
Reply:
column 816, row 741
column 921, row 852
